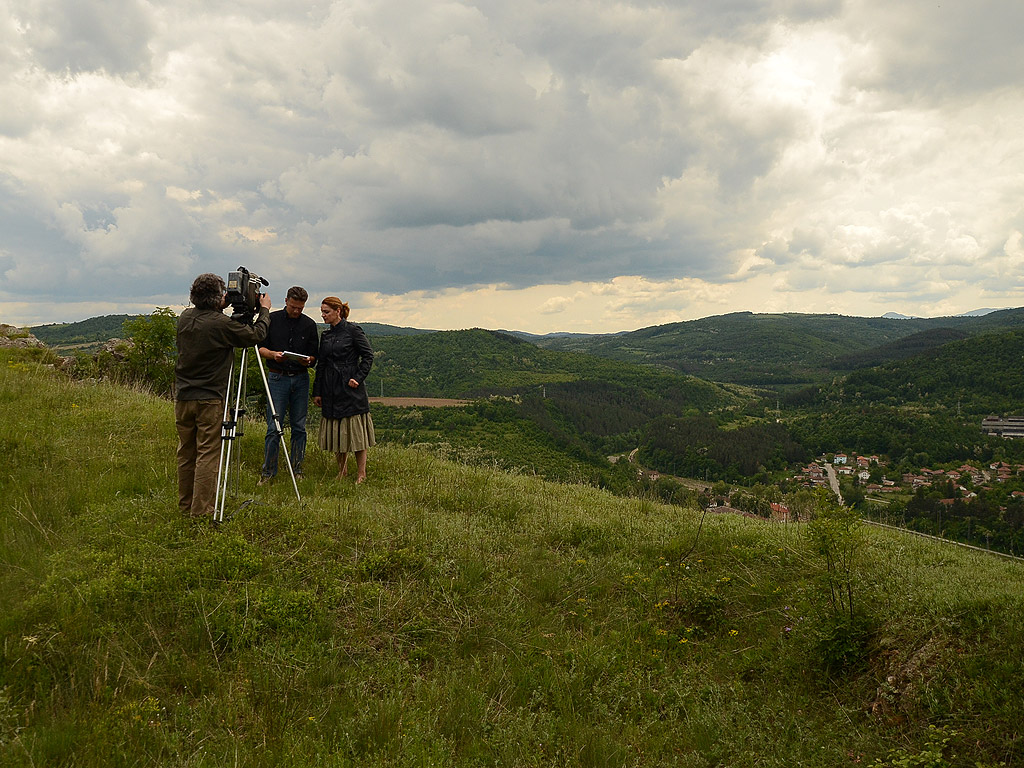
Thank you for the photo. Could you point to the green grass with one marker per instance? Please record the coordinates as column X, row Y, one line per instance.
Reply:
column 450, row 615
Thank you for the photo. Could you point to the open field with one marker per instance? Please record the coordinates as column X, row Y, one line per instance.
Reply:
column 449, row 615
column 419, row 402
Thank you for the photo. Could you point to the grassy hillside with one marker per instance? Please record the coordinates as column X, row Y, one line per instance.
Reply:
column 776, row 350
column 446, row 615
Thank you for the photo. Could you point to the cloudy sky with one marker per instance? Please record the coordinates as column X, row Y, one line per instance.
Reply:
column 542, row 165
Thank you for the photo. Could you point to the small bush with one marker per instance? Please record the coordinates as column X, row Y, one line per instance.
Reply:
column 844, row 643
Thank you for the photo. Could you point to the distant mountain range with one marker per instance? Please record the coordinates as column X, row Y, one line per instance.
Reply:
column 779, row 351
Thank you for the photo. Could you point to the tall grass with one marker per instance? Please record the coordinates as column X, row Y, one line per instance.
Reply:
column 447, row 615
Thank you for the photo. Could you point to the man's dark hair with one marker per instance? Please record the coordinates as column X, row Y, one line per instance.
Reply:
column 207, row 291
column 297, row 294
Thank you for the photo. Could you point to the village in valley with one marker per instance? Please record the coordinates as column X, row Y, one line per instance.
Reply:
column 872, row 473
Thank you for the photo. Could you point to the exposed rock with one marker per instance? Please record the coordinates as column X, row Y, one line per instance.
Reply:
column 12, row 336
column 117, row 348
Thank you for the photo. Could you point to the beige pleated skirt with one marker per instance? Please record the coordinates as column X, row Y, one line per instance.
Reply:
column 354, row 433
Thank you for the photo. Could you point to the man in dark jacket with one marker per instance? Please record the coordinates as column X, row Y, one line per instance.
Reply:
column 288, row 378
column 206, row 340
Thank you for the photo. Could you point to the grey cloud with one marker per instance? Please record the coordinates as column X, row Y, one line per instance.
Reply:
column 939, row 50
column 89, row 35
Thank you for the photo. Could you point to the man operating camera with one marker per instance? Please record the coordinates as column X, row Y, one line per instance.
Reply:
column 206, row 340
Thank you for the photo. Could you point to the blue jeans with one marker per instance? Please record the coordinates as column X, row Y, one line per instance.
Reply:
column 291, row 394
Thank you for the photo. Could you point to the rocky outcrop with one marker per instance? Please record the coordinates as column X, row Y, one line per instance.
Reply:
column 12, row 336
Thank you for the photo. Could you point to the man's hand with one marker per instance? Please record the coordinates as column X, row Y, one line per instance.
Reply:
column 308, row 361
column 270, row 354
column 265, row 300
column 318, row 401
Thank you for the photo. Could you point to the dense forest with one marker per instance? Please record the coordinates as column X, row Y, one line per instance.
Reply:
column 977, row 376
column 698, row 447
column 782, row 351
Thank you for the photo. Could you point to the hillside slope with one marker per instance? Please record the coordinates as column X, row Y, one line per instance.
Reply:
column 775, row 350
column 458, row 616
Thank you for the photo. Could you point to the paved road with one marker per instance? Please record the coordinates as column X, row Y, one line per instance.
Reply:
column 833, row 481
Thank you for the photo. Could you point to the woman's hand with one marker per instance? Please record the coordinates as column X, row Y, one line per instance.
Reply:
column 353, row 383
column 318, row 401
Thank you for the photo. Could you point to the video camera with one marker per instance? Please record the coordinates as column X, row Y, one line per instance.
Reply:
column 243, row 288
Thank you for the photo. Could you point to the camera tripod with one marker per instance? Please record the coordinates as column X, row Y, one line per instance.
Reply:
column 231, row 428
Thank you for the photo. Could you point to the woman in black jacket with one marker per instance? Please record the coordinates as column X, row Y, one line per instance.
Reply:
column 343, row 361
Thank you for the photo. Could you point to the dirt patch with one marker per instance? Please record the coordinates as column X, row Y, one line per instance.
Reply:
column 419, row 402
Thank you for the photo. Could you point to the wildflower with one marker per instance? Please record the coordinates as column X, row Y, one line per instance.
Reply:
column 684, row 640
column 734, row 632
column 661, row 633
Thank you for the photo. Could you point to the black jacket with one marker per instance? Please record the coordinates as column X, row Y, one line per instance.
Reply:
column 288, row 334
column 344, row 354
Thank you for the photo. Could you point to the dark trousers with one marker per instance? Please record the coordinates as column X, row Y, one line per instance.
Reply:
column 290, row 394
column 199, row 427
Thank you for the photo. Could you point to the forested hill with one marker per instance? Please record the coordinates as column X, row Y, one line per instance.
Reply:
column 92, row 331
column 781, row 350
column 479, row 362
column 900, row 349
column 96, row 330
column 976, row 376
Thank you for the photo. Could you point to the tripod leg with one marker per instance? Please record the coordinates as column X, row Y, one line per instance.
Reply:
column 229, row 434
column 277, row 423
column 221, row 464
